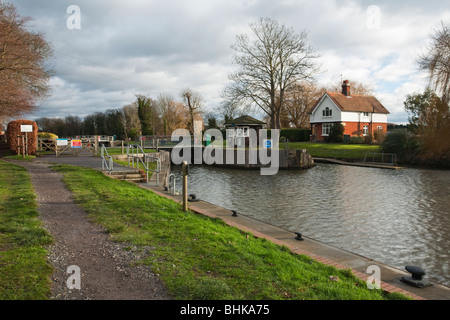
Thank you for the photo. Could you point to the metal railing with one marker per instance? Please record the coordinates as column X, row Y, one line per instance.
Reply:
column 138, row 156
column 172, row 185
column 108, row 164
column 381, row 158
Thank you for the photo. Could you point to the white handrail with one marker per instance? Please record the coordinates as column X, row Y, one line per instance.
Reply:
column 144, row 159
column 109, row 166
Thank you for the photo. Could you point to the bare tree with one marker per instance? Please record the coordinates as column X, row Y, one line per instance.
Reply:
column 358, row 88
column 24, row 74
column 132, row 124
column 300, row 98
column 437, row 62
column 194, row 103
column 173, row 114
column 228, row 109
column 270, row 62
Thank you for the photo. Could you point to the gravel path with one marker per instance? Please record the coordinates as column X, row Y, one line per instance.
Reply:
column 106, row 268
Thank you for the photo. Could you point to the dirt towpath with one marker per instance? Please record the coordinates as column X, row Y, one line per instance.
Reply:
column 106, row 268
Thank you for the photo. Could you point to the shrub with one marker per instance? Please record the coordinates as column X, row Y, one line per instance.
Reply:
column 356, row 140
column 296, row 135
column 403, row 143
column 336, row 133
column 47, row 135
column 379, row 136
column 13, row 130
column 368, row 139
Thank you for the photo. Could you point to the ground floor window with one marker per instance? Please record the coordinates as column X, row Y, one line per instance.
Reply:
column 365, row 130
column 326, row 128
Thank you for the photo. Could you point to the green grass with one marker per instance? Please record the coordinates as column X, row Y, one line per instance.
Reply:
column 24, row 272
column 335, row 150
column 20, row 157
column 118, row 151
column 202, row 258
column 152, row 165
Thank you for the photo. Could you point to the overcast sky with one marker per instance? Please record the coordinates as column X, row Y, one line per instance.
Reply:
column 149, row 47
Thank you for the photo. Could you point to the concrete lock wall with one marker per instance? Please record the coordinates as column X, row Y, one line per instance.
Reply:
column 288, row 159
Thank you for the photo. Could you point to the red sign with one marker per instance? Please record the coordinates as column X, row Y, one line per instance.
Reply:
column 76, row 144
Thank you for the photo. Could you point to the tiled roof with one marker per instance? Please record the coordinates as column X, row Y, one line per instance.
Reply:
column 355, row 103
column 245, row 120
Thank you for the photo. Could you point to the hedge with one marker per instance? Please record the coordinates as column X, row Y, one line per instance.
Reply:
column 296, row 135
column 13, row 130
column 292, row 134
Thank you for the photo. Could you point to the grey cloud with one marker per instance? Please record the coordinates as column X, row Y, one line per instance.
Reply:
column 140, row 46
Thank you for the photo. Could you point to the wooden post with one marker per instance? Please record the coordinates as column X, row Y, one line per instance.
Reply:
column 23, row 146
column 96, row 145
column 26, row 143
column 185, row 191
column 122, row 148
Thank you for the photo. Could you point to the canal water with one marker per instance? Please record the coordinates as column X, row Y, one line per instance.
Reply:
column 398, row 217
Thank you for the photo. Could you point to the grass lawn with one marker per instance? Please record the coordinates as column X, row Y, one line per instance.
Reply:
column 24, row 272
column 118, row 151
column 152, row 165
column 19, row 157
column 335, row 150
column 202, row 258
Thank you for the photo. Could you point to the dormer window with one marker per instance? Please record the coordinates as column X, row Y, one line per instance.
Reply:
column 327, row 112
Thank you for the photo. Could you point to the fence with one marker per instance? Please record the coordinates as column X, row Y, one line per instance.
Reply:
column 72, row 146
column 381, row 158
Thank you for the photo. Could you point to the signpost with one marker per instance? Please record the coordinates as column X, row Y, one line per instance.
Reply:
column 267, row 143
column 25, row 129
column 76, row 144
column 62, row 142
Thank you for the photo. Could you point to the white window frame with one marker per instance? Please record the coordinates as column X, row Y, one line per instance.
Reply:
column 242, row 132
column 365, row 130
column 326, row 128
column 327, row 112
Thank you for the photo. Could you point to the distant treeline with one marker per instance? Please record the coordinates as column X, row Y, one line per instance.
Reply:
column 145, row 116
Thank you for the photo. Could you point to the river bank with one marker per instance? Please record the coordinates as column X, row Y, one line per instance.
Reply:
column 330, row 255
column 125, row 214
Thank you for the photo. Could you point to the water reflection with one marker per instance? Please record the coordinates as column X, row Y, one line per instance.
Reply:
column 396, row 217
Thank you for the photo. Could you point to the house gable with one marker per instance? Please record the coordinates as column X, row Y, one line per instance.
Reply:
column 325, row 110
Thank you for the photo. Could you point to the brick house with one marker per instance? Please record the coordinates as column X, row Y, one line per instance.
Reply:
column 360, row 115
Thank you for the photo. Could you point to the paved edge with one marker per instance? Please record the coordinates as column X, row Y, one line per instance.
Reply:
column 386, row 287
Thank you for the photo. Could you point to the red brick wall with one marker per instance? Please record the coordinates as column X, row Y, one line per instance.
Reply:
column 351, row 128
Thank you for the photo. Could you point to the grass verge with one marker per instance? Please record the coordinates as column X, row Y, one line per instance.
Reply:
column 118, row 151
column 24, row 272
column 202, row 258
column 335, row 150
column 19, row 157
